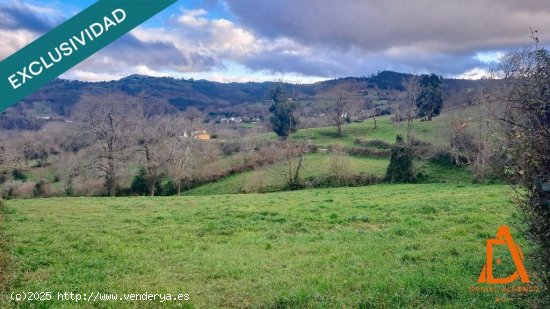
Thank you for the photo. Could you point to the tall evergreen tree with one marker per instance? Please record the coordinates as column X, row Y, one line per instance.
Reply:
column 282, row 117
column 430, row 98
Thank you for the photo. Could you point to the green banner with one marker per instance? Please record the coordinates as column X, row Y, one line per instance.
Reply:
column 70, row 43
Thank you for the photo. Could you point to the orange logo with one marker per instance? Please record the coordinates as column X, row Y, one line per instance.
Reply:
column 503, row 238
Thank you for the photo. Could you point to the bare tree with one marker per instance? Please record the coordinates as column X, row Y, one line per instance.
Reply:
column 412, row 89
column 341, row 109
column 153, row 144
column 374, row 114
column 181, row 150
column 194, row 115
column 485, row 157
column 294, row 156
column 10, row 159
column 181, row 158
column 110, row 122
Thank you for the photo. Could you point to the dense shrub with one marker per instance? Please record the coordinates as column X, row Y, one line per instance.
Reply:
column 442, row 157
column 401, row 168
column 256, row 184
column 340, row 166
column 527, row 131
column 86, row 187
column 8, row 188
column 230, row 148
column 18, row 175
column 139, row 183
column 25, row 190
column 360, row 152
column 167, row 186
column 373, row 143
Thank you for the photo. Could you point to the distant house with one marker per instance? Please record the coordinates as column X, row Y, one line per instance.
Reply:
column 200, row 135
column 231, row 120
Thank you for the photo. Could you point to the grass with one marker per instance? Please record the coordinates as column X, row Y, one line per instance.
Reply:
column 436, row 132
column 383, row 246
column 273, row 176
column 429, row 172
column 323, row 137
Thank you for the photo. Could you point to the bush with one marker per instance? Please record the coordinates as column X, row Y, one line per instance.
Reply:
column 527, row 131
column 7, row 189
column 83, row 187
column 401, row 168
column 43, row 189
column 256, row 183
column 18, row 175
column 25, row 190
column 139, row 183
column 68, row 188
column 442, row 157
column 230, row 148
column 373, row 143
column 340, row 167
column 331, row 181
column 167, row 186
column 361, row 152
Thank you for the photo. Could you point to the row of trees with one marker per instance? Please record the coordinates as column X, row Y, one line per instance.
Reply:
column 114, row 132
column 424, row 98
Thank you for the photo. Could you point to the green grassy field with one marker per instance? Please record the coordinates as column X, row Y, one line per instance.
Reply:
column 325, row 136
column 436, row 132
column 272, row 178
column 383, row 246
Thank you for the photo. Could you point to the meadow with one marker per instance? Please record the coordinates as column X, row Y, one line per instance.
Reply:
column 381, row 246
column 272, row 178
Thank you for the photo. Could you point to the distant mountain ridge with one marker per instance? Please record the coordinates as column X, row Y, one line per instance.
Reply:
column 57, row 98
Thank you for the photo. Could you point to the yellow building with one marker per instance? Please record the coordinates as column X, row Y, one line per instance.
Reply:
column 202, row 136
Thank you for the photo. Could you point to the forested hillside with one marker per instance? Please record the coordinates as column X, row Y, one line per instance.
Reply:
column 56, row 100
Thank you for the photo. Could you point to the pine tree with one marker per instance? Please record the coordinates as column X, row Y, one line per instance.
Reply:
column 282, row 119
column 430, row 98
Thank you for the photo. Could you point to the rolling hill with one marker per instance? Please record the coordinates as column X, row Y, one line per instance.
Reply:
column 56, row 99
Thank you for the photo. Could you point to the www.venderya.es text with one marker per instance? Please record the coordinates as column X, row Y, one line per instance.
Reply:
column 97, row 297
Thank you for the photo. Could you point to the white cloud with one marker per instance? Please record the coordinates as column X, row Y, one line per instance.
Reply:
column 303, row 41
column 475, row 73
column 490, row 57
column 13, row 40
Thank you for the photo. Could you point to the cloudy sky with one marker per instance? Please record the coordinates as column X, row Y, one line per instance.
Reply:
column 295, row 40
